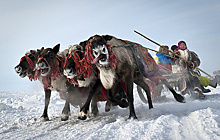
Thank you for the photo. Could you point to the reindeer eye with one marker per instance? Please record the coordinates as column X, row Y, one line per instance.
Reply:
column 50, row 54
column 95, row 53
column 103, row 49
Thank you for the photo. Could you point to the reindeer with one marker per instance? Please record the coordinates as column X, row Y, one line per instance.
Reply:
column 118, row 62
column 72, row 71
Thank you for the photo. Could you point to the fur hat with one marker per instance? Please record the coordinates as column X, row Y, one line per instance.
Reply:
column 174, row 47
column 180, row 43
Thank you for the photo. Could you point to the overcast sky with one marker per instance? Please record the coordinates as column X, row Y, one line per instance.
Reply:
column 32, row 24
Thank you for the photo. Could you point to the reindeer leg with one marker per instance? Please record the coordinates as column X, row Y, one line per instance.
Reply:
column 178, row 97
column 47, row 101
column 108, row 106
column 84, row 110
column 129, row 87
column 94, row 106
column 141, row 83
column 66, row 109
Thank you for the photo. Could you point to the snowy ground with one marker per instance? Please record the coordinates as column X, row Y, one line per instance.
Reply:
column 193, row 120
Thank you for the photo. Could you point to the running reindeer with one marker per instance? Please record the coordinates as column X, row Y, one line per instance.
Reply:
column 52, row 78
column 118, row 60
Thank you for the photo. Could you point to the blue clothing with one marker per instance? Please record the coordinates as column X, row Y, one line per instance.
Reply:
column 163, row 58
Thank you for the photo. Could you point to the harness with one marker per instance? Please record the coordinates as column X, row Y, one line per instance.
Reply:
column 86, row 61
column 46, row 80
column 146, row 64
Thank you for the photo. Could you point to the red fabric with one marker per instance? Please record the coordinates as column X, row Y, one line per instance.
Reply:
column 112, row 59
column 86, row 62
column 105, row 92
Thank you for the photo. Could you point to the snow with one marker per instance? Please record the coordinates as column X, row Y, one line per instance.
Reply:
column 170, row 120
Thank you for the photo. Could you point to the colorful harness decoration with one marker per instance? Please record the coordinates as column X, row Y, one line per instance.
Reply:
column 46, row 80
column 88, row 57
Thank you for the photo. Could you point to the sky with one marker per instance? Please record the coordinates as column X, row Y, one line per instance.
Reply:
column 29, row 25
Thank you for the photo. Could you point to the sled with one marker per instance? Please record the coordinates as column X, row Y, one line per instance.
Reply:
column 172, row 78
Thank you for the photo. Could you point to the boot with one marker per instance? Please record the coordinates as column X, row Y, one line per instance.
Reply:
column 205, row 90
column 213, row 83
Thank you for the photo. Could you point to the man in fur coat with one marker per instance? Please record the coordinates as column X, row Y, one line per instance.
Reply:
column 190, row 68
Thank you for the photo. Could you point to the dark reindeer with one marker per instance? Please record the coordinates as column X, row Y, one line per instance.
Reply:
column 118, row 63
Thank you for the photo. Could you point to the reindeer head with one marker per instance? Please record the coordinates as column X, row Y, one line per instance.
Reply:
column 47, row 60
column 102, row 55
column 99, row 50
column 27, row 64
column 72, row 61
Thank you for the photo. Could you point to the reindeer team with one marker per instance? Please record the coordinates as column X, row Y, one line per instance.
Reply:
column 102, row 68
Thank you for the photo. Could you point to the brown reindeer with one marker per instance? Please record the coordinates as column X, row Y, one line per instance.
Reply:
column 116, row 60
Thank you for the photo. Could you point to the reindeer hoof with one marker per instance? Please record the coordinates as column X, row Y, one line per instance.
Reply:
column 132, row 117
column 64, row 117
column 107, row 109
column 82, row 116
column 124, row 103
column 180, row 98
column 45, row 118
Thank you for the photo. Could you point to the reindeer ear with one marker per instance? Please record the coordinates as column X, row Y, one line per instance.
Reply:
column 56, row 48
column 107, row 37
column 40, row 50
column 33, row 52
column 83, row 44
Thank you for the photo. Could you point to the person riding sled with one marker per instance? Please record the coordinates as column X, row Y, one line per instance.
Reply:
column 203, row 80
column 189, row 67
column 163, row 60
